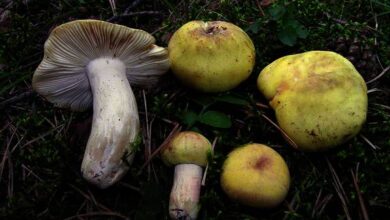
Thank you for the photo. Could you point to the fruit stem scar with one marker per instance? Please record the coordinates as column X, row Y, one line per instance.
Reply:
column 210, row 30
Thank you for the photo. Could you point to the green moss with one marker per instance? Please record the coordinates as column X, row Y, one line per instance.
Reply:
column 136, row 145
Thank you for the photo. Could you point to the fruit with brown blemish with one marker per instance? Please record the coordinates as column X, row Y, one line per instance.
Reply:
column 255, row 175
column 188, row 152
column 319, row 98
column 211, row 56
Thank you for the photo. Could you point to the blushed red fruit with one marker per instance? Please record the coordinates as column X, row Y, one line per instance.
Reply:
column 255, row 175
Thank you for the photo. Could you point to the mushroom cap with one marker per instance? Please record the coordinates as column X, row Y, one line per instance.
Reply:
column 61, row 76
column 255, row 175
column 211, row 56
column 187, row 147
column 319, row 98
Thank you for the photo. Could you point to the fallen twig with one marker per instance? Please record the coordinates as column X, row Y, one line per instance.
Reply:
column 289, row 140
column 383, row 106
column 207, row 166
column 260, row 8
column 261, row 105
column 360, row 197
column 31, row 172
column 159, row 29
column 320, row 204
column 5, row 126
column 6, row 155
column 175, row 129
column 10, row 177
column 339, row 189
column 90, row 198
column 113, row 6
column 344, row 22
column 42, row 136
column 384, row 71
column 375, row 90
column 132, row 5
column 130, row 186
column 316, row 204
column 323, row 203
column 115, row 17
column 148, row 137
column 291, row 205
column 16, row 98
column 340, row 21
column 91, row 214
column 369, row 142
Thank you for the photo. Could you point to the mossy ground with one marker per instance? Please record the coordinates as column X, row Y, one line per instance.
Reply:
column 42, row 146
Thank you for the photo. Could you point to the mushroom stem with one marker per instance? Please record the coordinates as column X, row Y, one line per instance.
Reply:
column 115, row 123
column 183, row 202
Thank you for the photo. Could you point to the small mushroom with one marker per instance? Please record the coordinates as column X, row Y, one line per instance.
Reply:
column 255, row 175
column 92, row 63
column 188, row 151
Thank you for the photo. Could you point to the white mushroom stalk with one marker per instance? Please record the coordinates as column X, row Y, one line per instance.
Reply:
column 93, row 63
column 188, row 151
column 184, row 197
column 115, row 123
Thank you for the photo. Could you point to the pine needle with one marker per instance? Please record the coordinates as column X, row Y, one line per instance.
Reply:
column 173, row 132
column 339, row 189
column 360, row 197
column 379, row 76
column 207, row 166
column 289, row 140
column 373, row 146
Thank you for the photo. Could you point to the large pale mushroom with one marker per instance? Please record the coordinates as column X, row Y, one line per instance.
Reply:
column 92, row 63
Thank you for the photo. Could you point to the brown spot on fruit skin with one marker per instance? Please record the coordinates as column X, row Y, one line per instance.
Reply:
column 283, row 86
column 210, row 30
column 213, row 29
column 262, row 163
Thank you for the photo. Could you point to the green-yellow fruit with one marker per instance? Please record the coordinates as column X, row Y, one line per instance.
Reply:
column 255, row 175
column 187, row 147
column 211, row 56
column 319, row 98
